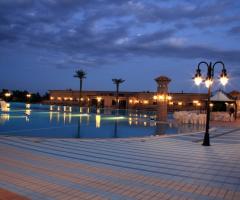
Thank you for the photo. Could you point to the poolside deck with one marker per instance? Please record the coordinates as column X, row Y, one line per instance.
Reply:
column 177, row 167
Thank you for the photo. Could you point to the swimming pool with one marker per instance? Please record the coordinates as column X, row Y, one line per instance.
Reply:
column 38, row 120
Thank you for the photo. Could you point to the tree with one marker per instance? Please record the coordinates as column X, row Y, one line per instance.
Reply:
column 117, row 82
column 80, row 74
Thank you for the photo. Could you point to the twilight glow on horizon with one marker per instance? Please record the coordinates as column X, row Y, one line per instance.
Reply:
column 43, row 42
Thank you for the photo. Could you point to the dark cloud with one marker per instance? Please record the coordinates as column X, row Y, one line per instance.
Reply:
column 235, row 30
column 97, row 32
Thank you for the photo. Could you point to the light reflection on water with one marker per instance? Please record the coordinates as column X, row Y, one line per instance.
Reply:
column 67, row 121
column 4, row 117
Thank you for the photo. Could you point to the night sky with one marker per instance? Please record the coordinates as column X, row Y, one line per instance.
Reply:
column 43, row 42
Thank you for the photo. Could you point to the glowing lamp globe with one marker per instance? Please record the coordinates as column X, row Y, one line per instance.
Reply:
column 224, row 80
column 198, row 80
column 208, row 82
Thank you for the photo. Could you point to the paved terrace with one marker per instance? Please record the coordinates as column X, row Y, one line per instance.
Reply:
column 153, row 168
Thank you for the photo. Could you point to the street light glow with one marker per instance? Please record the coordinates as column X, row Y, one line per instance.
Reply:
column 198, row 80
column 198, row 77
column 223, row 77
column 208, row 82
column 224, row 80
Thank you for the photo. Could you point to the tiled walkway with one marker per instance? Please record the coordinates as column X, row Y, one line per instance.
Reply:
column 154, row 168
column 8, row 195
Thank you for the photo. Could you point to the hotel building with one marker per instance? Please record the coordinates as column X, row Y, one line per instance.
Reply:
column 128, row 100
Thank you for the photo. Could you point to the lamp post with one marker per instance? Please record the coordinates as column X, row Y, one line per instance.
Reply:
column 198, row 79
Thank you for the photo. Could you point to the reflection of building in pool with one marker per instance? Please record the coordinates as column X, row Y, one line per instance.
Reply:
column 4, row 117
column 4, row 106
column 98, row 121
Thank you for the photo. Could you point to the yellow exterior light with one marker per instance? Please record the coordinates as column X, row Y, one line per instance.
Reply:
column 161, row 97
column 28, row 95
column 211, row 104
column 145, row 102
column 59, row 98
column 180, row 103
column 8, row 94
column 136, row 101
column 51, row 98
column 130, row 101
column 99, row 99
column 199, row 104
column 170, row 103
column 195, row 101
column 169, row 98
column 70, row 98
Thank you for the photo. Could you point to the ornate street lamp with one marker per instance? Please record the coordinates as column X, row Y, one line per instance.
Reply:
column 209, row 80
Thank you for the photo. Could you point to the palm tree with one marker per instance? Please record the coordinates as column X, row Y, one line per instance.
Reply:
column 80, row 74
column 117, row 82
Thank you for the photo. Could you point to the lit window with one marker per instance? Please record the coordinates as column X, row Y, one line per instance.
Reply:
column 180, row 103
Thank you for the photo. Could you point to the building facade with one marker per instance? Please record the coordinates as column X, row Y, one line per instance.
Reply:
column 128, row 100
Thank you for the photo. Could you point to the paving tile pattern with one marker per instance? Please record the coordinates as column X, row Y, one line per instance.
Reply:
column 153, row 168
column 8, row 195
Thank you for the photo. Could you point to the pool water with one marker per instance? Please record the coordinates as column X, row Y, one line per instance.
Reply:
column 37, row 120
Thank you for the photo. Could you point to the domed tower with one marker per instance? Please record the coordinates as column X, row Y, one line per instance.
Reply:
column 162, row 91
column 162, row 82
